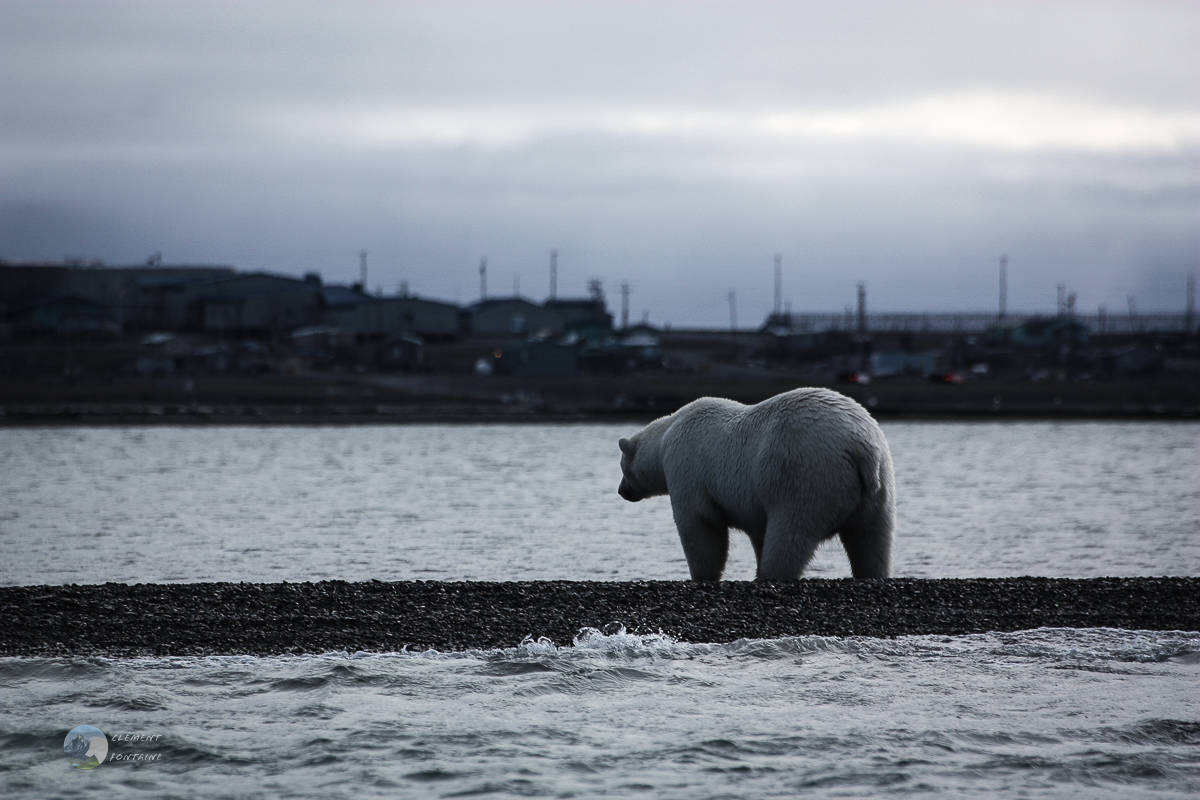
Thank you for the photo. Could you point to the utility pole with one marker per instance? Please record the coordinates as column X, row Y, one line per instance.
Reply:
column 483, row 278
column 732, row 310
column 1003, row 288
column 553, row 274
column 1190, row 313
column 625, row 305
column 862, row 309
column 516, row 284
column 778, row 285
column 864, row 358
column 1062, row 303
column 362, row 269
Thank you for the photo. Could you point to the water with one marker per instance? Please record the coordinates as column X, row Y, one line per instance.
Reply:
column 1048, row 713
column 539, row 502
column 1045, row 713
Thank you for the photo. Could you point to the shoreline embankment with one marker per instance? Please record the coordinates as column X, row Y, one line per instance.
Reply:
column 382, row 399
column 265, row 619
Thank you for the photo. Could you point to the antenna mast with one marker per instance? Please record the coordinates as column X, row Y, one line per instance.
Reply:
column 1190, row 308
column 1003, row 287
column 862, row 308
column 778, row 284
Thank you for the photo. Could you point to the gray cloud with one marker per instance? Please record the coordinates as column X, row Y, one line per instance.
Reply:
column 673, row 145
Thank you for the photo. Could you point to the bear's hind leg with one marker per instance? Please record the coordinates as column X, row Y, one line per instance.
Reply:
column 787, row 548
column 867, row 539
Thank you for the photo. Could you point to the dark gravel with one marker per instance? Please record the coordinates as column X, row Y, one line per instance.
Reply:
column 275, row 618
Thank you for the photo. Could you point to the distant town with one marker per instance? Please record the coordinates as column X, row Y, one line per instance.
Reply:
column 169, row 332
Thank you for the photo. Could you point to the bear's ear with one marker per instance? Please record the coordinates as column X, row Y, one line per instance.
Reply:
column 627, row 447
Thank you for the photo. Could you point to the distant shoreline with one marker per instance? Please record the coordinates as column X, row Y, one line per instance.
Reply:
column 92, row 414
column 265, row 619
column 431, row 398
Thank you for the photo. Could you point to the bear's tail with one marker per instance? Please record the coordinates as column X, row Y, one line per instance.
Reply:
column 867, row 534
column 870, row 473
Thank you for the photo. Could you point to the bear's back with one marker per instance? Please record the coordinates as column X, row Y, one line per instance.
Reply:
column 746, row 455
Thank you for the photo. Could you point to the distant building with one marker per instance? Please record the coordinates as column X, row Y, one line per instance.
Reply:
column 367, row 317
column 100, row 284
column 812, row 346
column 62, row 313
column 321, row 345
column 636, row 349
column 517, row 317
column 129, row 294
column 510, row 317
column 582, row 313
column 401, row 351
column 888, row 363
column 539, row 358
column 247, row 303
column 1133, row 361
column 1051, row 333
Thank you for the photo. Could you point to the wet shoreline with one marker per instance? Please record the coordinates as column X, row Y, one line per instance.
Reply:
column 197, row 619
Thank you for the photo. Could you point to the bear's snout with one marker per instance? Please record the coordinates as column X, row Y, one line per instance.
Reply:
column 626, row 491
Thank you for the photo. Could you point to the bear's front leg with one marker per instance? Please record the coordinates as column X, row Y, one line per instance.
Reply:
column 705, row 544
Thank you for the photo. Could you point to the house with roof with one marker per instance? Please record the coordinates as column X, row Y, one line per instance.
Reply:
column 510, row 317
column 247, row 303
column 538, row 358
column 61, row 313
column 577, row 313
column 130, row 297
column 1049, row 333
column 367, row 317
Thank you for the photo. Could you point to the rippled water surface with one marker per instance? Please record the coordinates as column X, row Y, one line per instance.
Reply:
column 1048, row 713
column 539, row 502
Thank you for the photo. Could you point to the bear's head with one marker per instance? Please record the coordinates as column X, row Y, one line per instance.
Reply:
column 626, row 489
column 641, row 463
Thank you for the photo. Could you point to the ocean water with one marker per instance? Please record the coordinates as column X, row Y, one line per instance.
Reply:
column 1043, row 713
column 539, row 502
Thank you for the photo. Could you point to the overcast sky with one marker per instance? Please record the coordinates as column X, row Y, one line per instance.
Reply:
column 677, row 146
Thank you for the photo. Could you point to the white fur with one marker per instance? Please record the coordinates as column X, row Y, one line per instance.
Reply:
column 791, row 472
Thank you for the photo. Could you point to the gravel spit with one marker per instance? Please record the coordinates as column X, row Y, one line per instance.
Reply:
column 195, row 619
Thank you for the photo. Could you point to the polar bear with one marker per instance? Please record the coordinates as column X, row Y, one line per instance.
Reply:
column 791, row 472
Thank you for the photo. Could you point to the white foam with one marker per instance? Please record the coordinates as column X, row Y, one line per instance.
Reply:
column 623, row 641
column 1044, row 644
